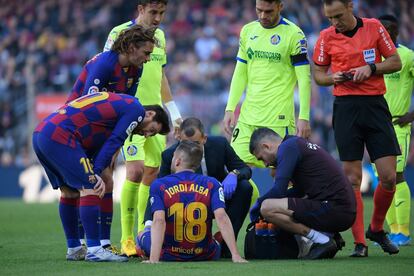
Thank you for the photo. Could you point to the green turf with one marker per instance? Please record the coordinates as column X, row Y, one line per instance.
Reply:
column 32, row 242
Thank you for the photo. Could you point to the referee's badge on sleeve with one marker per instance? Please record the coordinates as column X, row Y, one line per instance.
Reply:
column 369, row 55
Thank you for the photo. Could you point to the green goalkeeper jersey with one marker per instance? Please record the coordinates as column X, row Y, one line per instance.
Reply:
column 149, row 87
column 271, row 55
column 400, row 84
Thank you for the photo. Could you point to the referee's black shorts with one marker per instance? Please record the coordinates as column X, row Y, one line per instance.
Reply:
column 363, row 120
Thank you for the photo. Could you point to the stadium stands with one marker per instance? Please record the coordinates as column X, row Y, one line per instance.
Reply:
column 52, row 39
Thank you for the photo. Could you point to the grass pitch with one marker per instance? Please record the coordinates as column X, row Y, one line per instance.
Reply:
column 32, row 243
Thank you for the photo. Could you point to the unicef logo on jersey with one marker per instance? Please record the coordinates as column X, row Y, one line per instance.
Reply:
column 275, row 39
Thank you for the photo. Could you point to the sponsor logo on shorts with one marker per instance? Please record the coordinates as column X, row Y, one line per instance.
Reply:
column 132, row 150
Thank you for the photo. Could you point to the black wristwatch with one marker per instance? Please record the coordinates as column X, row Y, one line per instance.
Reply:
column 236, row 172
column 373, row 68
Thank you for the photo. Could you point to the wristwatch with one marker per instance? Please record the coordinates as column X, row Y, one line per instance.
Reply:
column 373, row 68
column 236, row 172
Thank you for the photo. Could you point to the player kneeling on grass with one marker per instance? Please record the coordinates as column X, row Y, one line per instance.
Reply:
column 320, row 199
column 183, row 206
column 75, row 144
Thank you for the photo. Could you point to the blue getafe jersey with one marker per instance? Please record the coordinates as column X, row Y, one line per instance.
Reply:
column 104, row 73
column 189, row 200
column 99, row 123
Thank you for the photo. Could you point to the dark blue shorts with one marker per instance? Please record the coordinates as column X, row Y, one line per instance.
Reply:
column 63, row 165
column 323, row 216
column 214, row 250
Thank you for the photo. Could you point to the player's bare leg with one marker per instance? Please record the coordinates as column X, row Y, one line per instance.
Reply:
column 276, row 211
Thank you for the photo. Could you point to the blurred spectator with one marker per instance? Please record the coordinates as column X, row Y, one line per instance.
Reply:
column 58, row 36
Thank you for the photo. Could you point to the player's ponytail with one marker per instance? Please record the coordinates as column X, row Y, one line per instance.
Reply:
column 136, row 36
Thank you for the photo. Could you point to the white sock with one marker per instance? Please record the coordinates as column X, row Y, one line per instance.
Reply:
column 74, row 249
column 93, row 249
column 317, row 237
column 82, row 241
column 105, row 242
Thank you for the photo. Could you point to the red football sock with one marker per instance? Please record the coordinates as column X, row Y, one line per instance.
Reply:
column 358, row 227
column 382, row 201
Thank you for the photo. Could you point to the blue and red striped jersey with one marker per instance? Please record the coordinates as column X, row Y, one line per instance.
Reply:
column 189, row 200
column 104, row 73
column 99, row 123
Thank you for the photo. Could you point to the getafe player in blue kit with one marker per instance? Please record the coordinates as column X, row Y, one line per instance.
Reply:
column 320, row 198
column 75, row 144
column 183, row 206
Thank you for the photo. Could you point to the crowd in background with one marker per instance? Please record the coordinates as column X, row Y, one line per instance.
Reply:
column 48, row 42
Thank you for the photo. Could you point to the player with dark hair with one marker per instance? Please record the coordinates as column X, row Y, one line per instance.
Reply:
column 183, row 206
column 221, row 162
column 118, row 71
column 320, row 199
column 75, row 144
column 352, row 49
column 272, row 58
column 399, row 89
column 143, row 155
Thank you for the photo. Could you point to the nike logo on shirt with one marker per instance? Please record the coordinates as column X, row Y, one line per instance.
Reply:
column 399, row 203
column 254, row 37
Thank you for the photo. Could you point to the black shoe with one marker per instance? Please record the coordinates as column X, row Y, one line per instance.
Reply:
column 360, row 251
column 382, row 239
column 340, row 243
column 322, row 251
